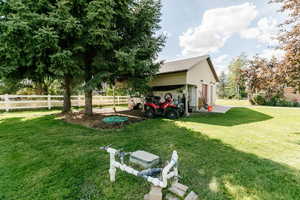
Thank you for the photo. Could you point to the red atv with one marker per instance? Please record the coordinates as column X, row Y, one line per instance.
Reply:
column 153, row 107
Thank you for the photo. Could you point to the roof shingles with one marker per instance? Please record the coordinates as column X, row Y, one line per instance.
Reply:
column 180, row 65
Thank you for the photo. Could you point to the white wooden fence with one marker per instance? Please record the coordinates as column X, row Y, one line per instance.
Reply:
column 12, row 102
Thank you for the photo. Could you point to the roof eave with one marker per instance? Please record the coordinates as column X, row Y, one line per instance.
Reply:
column 171, row 72
column 213, row 69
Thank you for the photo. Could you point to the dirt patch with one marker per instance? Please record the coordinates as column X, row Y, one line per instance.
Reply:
column 95, row 121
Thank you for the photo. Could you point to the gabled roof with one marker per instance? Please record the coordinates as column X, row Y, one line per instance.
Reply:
column 185, row 65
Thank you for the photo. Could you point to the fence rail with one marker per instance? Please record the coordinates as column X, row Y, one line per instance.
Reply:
column 13, row 102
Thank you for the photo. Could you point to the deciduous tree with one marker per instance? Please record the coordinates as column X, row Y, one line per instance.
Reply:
column 236, row 83
column 222, row 85
column 290, row 42
column 262, row 76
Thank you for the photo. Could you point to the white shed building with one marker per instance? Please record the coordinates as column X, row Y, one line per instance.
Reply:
column 194, row 78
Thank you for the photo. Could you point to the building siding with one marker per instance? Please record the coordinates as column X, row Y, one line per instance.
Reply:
column 291, row 94
column 199, row 72
column 178, row 78
column 202, row 74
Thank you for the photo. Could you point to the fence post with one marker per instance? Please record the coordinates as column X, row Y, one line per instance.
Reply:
column 118, row 100
column 49, row 102
column 6, row 100
column 78, row 101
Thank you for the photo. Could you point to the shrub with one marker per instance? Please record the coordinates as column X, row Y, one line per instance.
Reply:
column 273, row 101
column 296, row 104
column 259, row 100
column 282, row 102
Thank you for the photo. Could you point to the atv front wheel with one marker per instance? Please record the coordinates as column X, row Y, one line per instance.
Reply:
column 172, row 114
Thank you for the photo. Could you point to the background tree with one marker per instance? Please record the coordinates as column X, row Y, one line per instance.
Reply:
column 222, row 85
column 290, row 42
column 236, row 84
column 262, row 77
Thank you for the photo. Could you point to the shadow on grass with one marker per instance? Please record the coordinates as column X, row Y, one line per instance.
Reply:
column 235, row 116
column 59, row 163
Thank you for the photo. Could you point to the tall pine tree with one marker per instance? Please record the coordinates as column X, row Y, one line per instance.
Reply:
column 92, row 41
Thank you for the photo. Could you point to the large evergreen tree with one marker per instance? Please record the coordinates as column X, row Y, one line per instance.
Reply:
column 34, row 45
column 133, row 46
column 93, row 41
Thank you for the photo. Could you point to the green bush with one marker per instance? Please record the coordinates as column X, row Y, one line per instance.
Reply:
column 259, row 100
column 282, row 102
column 274, row 101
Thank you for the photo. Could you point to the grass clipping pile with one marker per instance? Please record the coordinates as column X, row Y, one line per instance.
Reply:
column 96, row 120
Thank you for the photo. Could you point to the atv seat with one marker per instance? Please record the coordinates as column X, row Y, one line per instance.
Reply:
column 153, row 99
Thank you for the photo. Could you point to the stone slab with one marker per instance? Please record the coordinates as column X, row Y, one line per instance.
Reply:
column 177, row 191
column 180, row 186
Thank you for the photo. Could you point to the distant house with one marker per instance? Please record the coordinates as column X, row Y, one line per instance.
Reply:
column 193, row 78
column 291, row 94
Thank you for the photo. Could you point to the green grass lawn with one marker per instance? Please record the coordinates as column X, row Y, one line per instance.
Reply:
column 246, row 154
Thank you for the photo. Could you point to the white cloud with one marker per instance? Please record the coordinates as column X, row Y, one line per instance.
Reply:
column 265, row 32
column 217, row 26
column 250, row 33
column 221, row 63
column 270, row 53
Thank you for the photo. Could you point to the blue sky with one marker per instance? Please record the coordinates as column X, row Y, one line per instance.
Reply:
column 221, row 28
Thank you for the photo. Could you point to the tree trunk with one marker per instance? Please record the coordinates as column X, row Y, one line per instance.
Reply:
column 88, row 102
column 67, row 94
column 88, row 91
column 114, row 100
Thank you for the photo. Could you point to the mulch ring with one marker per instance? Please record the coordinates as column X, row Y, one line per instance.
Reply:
column 95, row 121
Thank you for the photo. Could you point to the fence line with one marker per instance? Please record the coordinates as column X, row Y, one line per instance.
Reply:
column 12, row 102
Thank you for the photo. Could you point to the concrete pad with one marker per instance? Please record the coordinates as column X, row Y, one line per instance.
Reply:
column 218, row 109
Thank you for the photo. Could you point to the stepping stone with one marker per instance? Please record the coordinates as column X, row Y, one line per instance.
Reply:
column 178, row 189
column 155, row 193
column 171, row 197
column 181, row 186
column 192, row 196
